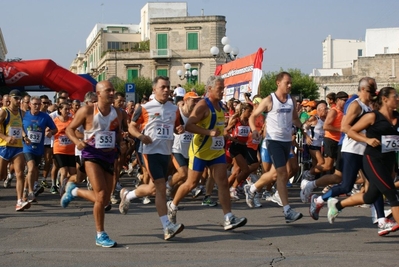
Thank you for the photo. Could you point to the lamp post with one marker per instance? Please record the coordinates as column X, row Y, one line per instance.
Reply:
column 190, row 75
column 229, row 52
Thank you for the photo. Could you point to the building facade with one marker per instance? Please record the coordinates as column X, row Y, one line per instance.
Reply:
column 3, row 47
column 382, row 41
column 173, row 43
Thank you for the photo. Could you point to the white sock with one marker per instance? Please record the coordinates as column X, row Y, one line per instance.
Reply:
column 165, row 221
column 74, row 192
column 131, row 195
column 253, row 188
column 173, row 206
column 286, row 208
column 319, row 200
column 381, row 220
column 100, row 233
column 227, row 216
column 313, row 184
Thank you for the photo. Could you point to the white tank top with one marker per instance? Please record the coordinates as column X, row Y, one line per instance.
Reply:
column 279, row 120
column 349, row 145
column 182, row 141
column 317, row 134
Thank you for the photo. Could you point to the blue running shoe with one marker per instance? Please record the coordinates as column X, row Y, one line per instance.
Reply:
column 67, row 196
column 104, row 241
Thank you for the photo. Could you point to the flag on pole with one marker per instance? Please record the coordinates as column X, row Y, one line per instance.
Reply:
column 257, row 72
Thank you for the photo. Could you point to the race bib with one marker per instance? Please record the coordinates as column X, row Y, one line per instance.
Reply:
column 15, row 132
column 64, row 140
column 217, row 143
column 256, row 142
column 186, row 137
column 389, row 143
column 164, row 132
column 35, row 137
column 105, row 139
column 243, row 131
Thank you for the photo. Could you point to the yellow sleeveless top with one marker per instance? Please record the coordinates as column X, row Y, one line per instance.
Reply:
column 207, row 147
column 13, row 128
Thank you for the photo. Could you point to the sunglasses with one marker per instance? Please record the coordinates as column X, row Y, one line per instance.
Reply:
column 45, row 103
column 16, row 98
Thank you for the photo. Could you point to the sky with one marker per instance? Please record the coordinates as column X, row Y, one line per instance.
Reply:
column 292, row 31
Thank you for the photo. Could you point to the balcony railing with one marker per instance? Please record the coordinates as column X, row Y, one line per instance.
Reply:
column 161, row 53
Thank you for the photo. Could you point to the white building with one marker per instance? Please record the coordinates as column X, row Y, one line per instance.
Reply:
column 382, row 41
column 159, row 10
column 340, row 53
column 3, row 48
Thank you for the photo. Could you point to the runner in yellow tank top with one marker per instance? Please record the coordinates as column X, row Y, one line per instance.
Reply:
column 206, row 122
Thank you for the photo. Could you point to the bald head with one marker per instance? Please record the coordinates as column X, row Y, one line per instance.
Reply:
column 100, row 86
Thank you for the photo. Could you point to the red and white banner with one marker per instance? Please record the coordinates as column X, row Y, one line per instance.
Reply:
column 242, row 75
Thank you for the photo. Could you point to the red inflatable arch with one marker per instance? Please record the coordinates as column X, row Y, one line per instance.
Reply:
column 45, row 72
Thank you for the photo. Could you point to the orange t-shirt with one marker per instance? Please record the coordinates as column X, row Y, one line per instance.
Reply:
column 62, row 144
column 336, row 123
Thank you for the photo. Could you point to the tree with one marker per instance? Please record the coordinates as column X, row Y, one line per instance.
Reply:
column 143, row 86
column 302, row 84
column 199, row 88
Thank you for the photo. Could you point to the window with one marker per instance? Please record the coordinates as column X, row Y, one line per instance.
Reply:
column 113, row 46
column 386, row 50
column 192, row 41
column 132, row 74
column 162, row 72
column 359, row 52
column 162, row 44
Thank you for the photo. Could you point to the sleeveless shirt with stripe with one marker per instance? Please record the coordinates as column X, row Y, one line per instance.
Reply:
column 101, row 137
column 13, row 128
column 208, row 148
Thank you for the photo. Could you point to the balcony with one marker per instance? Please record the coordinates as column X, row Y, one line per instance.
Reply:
column 161, row 53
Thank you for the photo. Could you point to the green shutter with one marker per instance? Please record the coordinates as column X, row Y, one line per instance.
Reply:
column 192, row 41
column 162, row 44
column 132, row 74
column 162, row 72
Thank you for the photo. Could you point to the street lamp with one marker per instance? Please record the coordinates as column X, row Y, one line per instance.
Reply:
column 189, row 75
column 229, row 52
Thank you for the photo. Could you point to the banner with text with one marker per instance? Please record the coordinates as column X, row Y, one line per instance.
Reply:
column 242, row 75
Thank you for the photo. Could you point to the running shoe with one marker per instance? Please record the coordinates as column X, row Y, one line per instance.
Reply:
column 7, row 181
column 67, row 197
column 292, row 216
column 171, row 230
column 108, row 207
column 44, row 184
column 276, row 199
column 196, row 192
column 53, row 190
column 38, row 190
column 234, row 195
column 31, row 197
column 267, row 195
column 315, row 207
column 249, row 196
column 234, row 222
column 146, row 200
column 88, row 184
column 124, row 204
column 306, row 191
column 387, row 227
column 171, row 213
column 207, row 201
column 332, row 209
column 114, row 200
column 104, row 241
column 21, row 206
column 118, row 187
column 257, row 198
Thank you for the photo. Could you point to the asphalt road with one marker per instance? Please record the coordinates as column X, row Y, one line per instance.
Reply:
column 48, row 235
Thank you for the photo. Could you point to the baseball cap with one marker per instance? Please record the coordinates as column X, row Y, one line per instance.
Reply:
column 190, row 95
column 15, row 92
